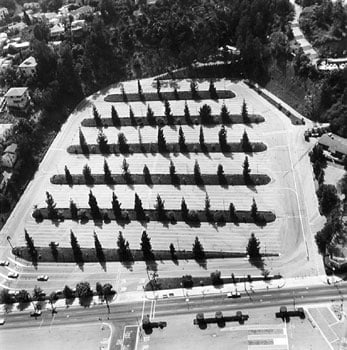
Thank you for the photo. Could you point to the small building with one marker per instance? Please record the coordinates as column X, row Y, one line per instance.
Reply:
column 81, row 12
column 57, row 30
column 9, row 157
column 3, row 12
column 334, row 144
column 28, row 67
column 17, row 27
column 17, row 98
column 35, row 6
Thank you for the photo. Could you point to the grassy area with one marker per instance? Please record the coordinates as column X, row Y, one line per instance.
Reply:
column 177, row 120
column 167, row 95
column 195, row 217
column 165, row 179
column 170, row 148
column 89, row 255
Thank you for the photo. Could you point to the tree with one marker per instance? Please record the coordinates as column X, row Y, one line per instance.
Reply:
column 198, row 250
column 187, row 113
column 187, row 281
column 150, row 116
column 124, row 94
column 328, row 198
column 76, row 249
column 146, row 247
column 23, row 297
column 205, row 114
column 184, row 209
column 5, row 297
column 173, row 176
column 253, row 247
column 68, row 177
column 132, row 117
column 116, row 207
column 162, row 147
column 139, row 89
column 245, row 144
column 172, row 252
column 213, row 91
column 83, row 290
column 208, row 214
column 94, row 208
column 87, row 173
column 224, row 114
column 138, row 208
column 54, row 250
column 202, row 139
column 83, row 142
column 168, row 114
column 246, row 171
column 73, row 210
column 244, row 113
column 221, row 176
column 194, row 90
column 51, row 207
column 115, row 117
column 232, row 212
column 197, row 174
column 222, row 135
column 123, row 143
column 216, row 278
column 147, row 175
column 103, row 142
column 97, row 117
column 30, row 245
column 98, row 288
column 68, row 292
column 254, row 210
column 107, row 173
column 123, row 250
column 181, row 140
column 98, row 249
column 107, row 290
column 160, row 208
column 126, row 172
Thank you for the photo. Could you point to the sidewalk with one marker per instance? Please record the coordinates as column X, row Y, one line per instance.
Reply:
column 139, row 296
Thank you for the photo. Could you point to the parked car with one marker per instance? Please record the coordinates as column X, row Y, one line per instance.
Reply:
column 4, row 263
column 13, row 275
column 35, row 313
column 2, row 321
column 42, row 278
column 234, row 295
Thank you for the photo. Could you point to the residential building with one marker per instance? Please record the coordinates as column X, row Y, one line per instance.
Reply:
column 3, row 12
column 57, row 31
column 28, row 67
column 17, row 27
column 17, row 98
column 9, row 157
column 35, row 6
column 81, row 12
column 16, row 46
column 336, row 145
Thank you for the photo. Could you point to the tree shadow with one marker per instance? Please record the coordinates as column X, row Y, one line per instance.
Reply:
column 70, row 301
column 23, row 306
column 128, row 264
column 258, row 263
column 151, row 265
column 202, row 263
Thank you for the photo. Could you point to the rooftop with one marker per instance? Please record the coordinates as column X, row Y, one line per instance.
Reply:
column 16, row 91
column 334, row 143
column 29, row 62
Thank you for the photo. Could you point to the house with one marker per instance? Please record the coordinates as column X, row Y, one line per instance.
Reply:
column 336, row 145
column 5, row 63
column 17, row 98
column 3, row 12
column 57, row 30
column 28, row 67
column 16, row 46
column 81, row 12
column 35, row 6
column 17, row 27
column 9, row 157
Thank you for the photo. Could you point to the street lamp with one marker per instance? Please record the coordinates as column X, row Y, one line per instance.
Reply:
column 9, row 241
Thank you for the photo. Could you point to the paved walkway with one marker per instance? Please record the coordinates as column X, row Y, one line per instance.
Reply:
column 299, row 35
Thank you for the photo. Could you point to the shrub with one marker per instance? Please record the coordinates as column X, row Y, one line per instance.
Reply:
column 193, row 216
column 187, row 281
column 216, row 278
column 37, row 215
column 219, row 217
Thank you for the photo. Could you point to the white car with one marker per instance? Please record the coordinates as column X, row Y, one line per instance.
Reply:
column 42, row 278
column 4, row 263
column 2, row 321
column 13, row 275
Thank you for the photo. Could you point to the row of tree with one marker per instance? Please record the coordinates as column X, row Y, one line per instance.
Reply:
column 125, row 148
column 175, row 178
column 140, row 214
column 205, row 114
